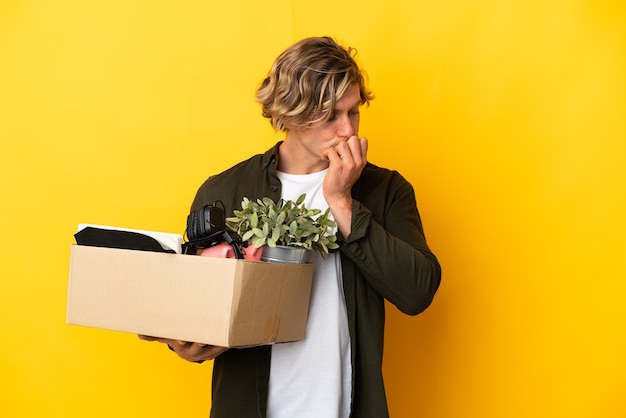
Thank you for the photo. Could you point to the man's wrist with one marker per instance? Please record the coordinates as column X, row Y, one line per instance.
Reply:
column 342, row 213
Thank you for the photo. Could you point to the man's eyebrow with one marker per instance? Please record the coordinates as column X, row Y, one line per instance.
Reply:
column 356, row 106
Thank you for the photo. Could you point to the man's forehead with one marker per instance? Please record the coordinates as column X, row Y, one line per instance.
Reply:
column 350, row 100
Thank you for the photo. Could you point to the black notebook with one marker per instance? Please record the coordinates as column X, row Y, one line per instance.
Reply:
column 129, row 239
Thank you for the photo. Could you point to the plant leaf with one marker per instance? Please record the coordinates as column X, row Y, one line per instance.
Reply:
column 254, row 222
column 300, row 199
column 249, row 234
column 281, row 218
column 276, row 233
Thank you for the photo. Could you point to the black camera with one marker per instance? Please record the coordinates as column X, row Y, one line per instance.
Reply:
column 206, row 227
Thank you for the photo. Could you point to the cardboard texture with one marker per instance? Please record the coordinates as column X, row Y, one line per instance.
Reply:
column 218, row 301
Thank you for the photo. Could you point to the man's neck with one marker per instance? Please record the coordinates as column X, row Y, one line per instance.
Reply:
column 293, row 159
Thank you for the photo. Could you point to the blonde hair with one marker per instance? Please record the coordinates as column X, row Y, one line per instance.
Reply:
column 306, row 81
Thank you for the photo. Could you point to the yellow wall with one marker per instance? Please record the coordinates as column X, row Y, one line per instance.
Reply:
column 507, row 116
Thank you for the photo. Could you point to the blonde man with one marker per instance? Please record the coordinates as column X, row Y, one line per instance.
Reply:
column 313, row 94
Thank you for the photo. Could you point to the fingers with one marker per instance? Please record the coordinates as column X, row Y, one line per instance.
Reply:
column 213, row 351
column 151, row 338
column 363, row 146
column 347, row 159
column 188, row 350
column 196, row 351
column 352, row 150
column 200, row 352
column 147, row 338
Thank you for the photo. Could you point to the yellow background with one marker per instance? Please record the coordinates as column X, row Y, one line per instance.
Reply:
column 507, row 116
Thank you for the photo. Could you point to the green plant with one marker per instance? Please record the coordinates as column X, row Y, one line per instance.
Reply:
column 266, row 222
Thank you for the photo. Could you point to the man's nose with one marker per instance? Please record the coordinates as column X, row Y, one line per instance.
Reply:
column 346, row 128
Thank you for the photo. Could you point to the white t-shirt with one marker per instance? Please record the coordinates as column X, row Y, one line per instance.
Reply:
column 312, row 378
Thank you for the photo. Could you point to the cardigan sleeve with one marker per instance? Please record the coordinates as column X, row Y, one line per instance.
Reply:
column 388, row 246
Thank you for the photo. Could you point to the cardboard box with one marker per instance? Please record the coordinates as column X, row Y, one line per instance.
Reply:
column 219, row 301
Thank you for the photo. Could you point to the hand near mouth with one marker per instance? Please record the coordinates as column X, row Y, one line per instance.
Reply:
column 346, row 162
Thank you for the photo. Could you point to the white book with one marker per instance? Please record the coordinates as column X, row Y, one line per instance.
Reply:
column 169, row 241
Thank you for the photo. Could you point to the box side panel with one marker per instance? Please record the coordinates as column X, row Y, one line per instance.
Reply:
column 165, row 295
column 270, row 303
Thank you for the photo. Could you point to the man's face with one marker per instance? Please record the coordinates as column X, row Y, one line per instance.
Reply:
column 343, row 124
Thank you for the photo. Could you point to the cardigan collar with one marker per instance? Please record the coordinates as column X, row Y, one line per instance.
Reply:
column 271, row 156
